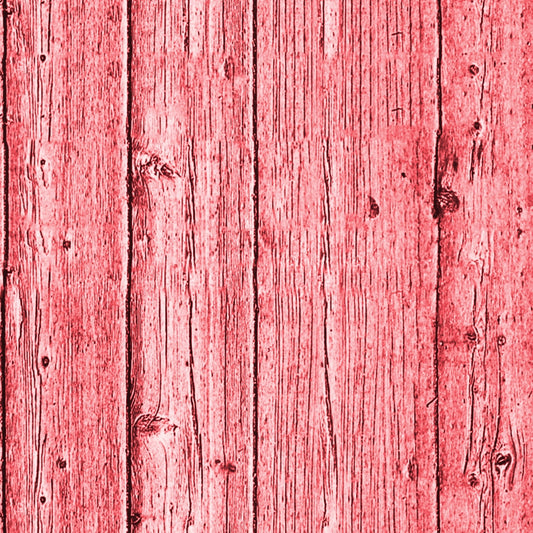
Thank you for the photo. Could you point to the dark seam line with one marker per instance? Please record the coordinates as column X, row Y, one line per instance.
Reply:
column 129, row 270
column 437, row 214
column 255, row 370
column 6, row 261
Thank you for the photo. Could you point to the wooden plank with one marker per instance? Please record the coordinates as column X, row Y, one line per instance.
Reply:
column 347, row 121
column 485, row 290
column 191, row 317
column 65, row 295
column 3, row 245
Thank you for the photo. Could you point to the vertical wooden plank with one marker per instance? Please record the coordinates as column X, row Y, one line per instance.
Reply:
column 65, row 294
column 485, row 314
column 3, row 244
column 347, row 122
column 192, row 315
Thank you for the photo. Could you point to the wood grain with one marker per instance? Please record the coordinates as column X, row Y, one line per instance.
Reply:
column 191, row 318
column 485, row 290
column 65, row 294
column 4, row 208
column 347, row 121
column 266, row 266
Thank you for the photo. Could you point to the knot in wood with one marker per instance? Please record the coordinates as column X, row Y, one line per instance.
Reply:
column 502, row 461
column 447, row 201
column 473, row 480
column 471, row 335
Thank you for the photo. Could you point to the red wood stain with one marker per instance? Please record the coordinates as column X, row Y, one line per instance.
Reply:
column 64, row 308
column 191, row 284
column 266, row 266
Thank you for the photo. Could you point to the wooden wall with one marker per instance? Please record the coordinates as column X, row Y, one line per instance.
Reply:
column 266, row 266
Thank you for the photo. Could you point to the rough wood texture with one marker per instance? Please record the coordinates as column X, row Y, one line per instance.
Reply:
column 347, row 266
column 267, row 266
column 485, row 294
column 191, row 318
column 65, row 294
column 3, row 245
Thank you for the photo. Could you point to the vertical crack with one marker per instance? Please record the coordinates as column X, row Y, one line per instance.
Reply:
column 436, row 214
column 129, row 350
column 436, row 173
column 255, row 360
column 5, row 269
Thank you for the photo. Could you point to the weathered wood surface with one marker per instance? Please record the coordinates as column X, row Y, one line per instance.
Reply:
column 192, row 314
column 3, row 244
column 266, row 266
column 347, row 266
column 485, row 289
column 65, row 400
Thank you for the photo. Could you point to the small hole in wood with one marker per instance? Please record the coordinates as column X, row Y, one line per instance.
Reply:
column 374, row 207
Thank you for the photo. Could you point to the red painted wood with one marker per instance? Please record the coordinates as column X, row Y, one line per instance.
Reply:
column 192, row 334
column 65, row 295
column 3, row 413
column 380, row 220
column 347, row 266
column 485, row 313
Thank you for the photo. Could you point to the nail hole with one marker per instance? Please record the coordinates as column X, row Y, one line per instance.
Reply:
column 43, row 57
column 42, row 499
column 61, row 463
column 45, row 361
column 66, row 245
column 411, row 470
column 228, row 68
column 477, row 125
column 374, row 207
column 501, row 340
column 474, row 69
column 43, row 162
